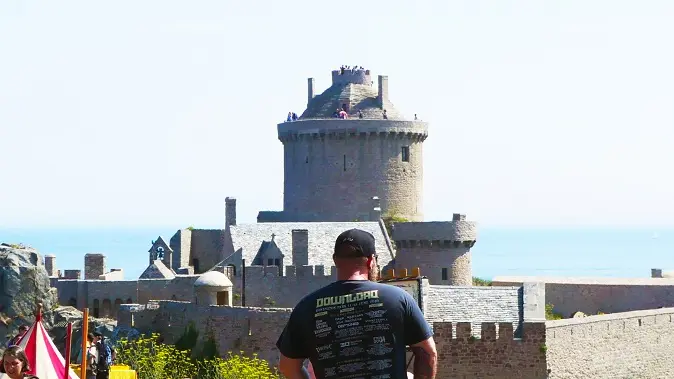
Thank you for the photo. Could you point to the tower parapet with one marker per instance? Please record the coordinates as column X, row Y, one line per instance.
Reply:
column 440, row 248
column 351, row 77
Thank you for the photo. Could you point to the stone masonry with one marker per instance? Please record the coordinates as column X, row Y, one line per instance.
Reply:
column 94, row 266
column 440, row 249
column 622, row 345
column 350, row 161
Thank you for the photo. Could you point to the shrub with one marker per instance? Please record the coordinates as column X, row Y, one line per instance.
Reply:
column 154, row 360
column 481, row 282
column 550, row 314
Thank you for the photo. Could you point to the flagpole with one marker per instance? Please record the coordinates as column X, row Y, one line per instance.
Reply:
column 69, row 335
column 85, row 336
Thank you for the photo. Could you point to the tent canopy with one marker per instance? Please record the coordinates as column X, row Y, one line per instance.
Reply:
column 46, row 362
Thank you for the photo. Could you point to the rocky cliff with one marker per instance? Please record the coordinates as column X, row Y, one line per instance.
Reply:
column 23, row 284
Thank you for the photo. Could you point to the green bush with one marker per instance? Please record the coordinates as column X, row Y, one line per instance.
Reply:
column 481, row 282
column 550, row 314
column 154, row 360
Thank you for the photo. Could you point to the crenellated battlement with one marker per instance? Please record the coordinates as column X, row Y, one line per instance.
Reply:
column 351, row 77
column 446, row 234
column 460, row 332
column 305, row 272
column 352, row 128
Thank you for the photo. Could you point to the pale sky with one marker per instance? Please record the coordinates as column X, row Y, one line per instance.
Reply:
column 150, row 113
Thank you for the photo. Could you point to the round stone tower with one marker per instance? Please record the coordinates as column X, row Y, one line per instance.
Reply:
column 334, row 167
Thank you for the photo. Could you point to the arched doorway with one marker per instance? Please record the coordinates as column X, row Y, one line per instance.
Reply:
column 96, row 309
column 106, row 308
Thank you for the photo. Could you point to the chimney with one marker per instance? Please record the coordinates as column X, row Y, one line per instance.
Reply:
column 94, row 266
column 382, row 96
column 230, row 211
column 656, row 273
column 50, row 265
column 311, row 84
column 458, row 217
column 300, row 247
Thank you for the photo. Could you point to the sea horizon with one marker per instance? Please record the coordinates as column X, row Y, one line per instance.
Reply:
column 602, row 251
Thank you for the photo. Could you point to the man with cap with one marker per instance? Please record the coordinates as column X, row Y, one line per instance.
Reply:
column 356, row 327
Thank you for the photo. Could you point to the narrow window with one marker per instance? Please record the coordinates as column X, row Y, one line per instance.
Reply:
column 195, row 264
column 277, row 262
column 444, row 274
column 406, row 153
column 270, row 262
column 306, row 160
column 344, row 162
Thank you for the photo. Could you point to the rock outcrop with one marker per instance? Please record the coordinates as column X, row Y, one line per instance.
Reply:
column 23, row 283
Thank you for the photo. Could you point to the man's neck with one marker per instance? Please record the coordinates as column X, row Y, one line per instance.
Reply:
column 352, row 276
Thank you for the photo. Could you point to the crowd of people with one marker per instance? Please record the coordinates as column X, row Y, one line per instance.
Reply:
column 354, row 69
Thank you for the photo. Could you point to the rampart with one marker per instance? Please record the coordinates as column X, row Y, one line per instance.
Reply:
column 251, row 330
column 269, row 286
column 495, row 354
column 440, row 248
column 594, row 295
column 624, row 345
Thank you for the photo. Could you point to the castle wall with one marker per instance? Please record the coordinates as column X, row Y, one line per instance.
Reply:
column 609, row 295
column 251, row 330
column 496, row 354
column 265, row 287
column 108, row 295
column 476, row 305
column 67, row 291
column 626, row 345
column 180, row 288
column 349, row 162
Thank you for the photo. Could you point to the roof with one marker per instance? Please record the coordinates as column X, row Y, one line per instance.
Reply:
column 360, row 97
column 157, row 270
column 213, row 279
column 322, row 236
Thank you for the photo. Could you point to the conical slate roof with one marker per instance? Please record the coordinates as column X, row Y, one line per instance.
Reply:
column 359, row 97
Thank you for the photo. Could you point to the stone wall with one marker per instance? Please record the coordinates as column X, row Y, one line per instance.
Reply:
column 475, row 305
column 625, row 345
column 349, row 162
column 251, row 330
column 266, row 286
column 496, row 354
column 180, row 288
column 607, row 295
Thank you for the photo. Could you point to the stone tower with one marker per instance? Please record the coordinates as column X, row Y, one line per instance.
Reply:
column 441, row 249
column 333, row 167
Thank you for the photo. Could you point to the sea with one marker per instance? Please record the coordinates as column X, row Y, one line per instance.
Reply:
column 581, row 252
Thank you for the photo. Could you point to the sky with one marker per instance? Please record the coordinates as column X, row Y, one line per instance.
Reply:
column 150, row 113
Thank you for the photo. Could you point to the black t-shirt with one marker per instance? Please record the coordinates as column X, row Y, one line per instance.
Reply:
column 354, row 329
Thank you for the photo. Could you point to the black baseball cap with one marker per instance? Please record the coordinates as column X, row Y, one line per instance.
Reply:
column 355, row 243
